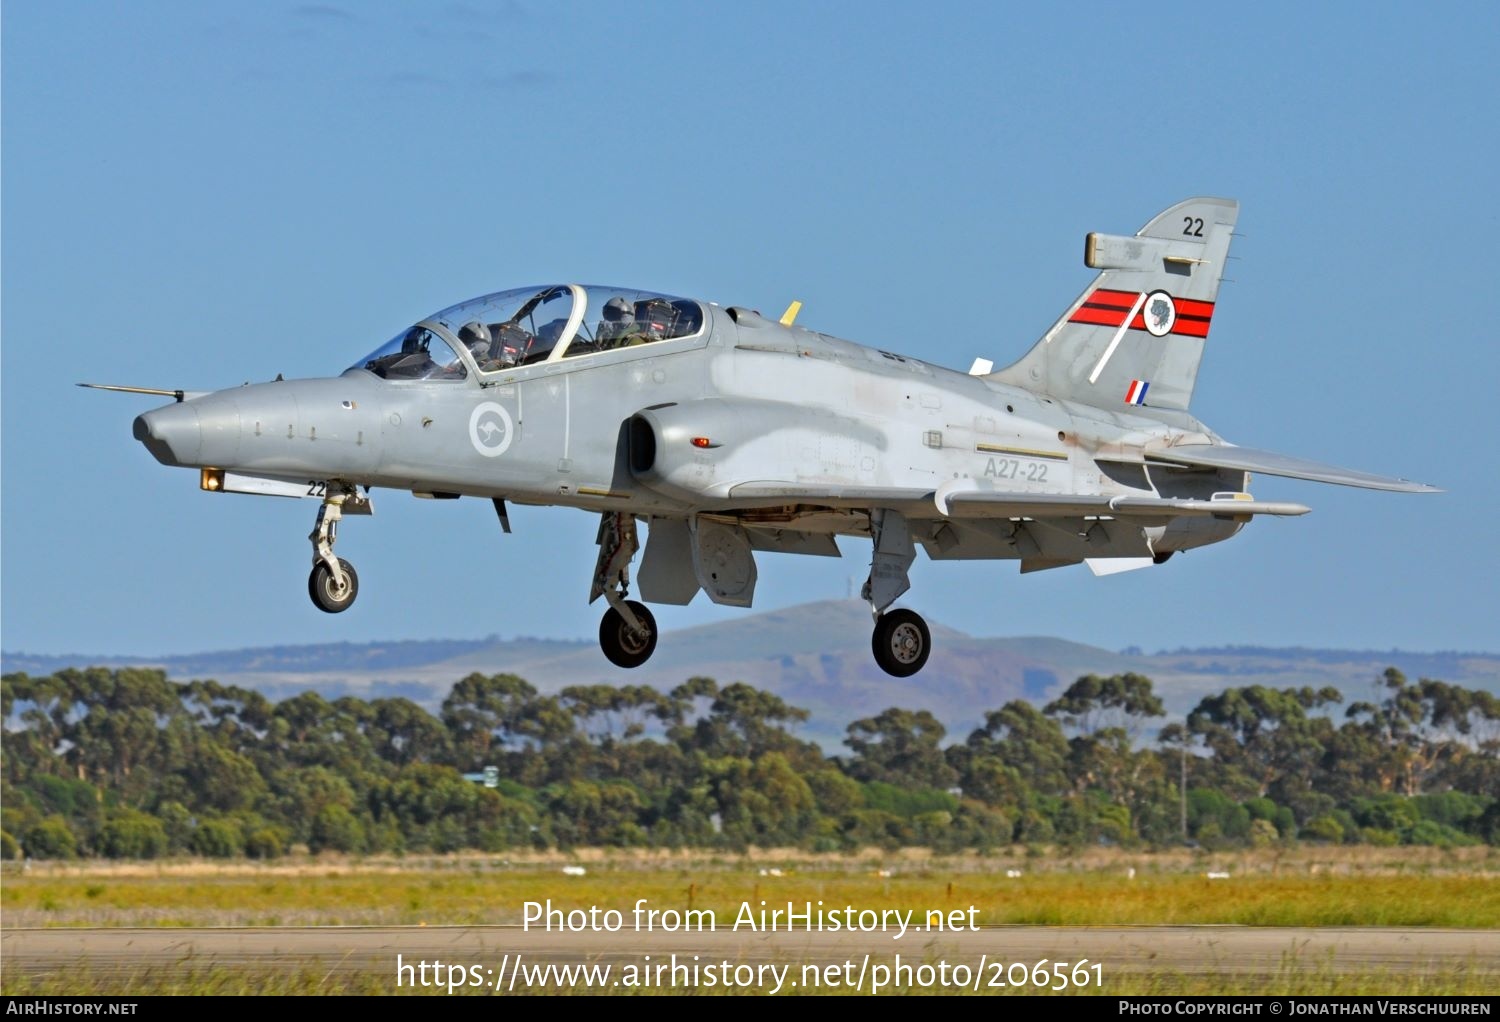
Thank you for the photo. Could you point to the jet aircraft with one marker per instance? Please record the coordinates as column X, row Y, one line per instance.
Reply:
column 728, row 434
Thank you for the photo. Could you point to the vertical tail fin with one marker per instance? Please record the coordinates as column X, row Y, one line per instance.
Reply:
column 1136, row 336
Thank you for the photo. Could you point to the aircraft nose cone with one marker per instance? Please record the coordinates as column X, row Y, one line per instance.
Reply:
column 172, row 434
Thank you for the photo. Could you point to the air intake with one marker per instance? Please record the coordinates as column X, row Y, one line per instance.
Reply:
column 642, row 445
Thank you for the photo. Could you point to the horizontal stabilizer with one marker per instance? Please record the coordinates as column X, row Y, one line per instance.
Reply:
column 1248, row 459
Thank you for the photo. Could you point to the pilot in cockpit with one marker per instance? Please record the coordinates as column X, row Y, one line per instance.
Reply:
column 618, row 328
column 475, row 336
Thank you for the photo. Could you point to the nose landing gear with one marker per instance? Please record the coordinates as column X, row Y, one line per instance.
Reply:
column 333, row 584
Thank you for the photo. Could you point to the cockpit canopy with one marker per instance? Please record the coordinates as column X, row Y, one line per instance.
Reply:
column 527, row 325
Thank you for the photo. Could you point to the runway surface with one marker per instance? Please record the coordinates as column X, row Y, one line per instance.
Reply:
column 1187, row 950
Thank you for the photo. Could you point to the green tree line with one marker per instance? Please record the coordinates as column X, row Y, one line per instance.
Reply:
column 127, row 764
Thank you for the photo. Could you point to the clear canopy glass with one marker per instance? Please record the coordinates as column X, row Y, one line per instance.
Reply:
column 527, row 325
column 622, row 318
column 417, row 353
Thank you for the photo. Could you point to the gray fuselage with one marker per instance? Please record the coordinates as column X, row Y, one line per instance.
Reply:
column 733, row 421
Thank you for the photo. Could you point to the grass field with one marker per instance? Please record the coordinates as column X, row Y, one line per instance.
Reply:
column 1300, row 888
column 1309, row 887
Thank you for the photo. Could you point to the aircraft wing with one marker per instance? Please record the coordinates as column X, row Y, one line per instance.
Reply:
column 1248, row 459
column 959, row 502
column 984, row 504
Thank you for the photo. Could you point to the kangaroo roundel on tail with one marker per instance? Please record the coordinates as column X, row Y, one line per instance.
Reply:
column 1136, row 335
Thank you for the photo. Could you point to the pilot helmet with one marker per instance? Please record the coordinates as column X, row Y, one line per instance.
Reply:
column 476, row 337
column 617, row 310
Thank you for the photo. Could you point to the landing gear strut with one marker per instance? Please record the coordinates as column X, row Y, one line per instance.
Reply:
column 333, row 585
column 901, row 641
column 627, row 634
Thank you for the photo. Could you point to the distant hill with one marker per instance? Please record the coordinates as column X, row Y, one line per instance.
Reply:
column 816, row 656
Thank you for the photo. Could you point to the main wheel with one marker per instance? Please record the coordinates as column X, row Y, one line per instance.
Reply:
column 325, row 593
column 622, row 646
column 901, row 643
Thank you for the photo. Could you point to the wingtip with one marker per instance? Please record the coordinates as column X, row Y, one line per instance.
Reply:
column 1412, row 486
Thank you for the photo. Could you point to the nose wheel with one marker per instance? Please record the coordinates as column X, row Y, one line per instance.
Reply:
column 328, row 592
column 901, row 642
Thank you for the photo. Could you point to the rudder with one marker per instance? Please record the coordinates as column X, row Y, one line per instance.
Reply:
column 1136, row 335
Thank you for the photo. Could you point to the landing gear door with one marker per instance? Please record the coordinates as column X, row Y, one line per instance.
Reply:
column 667, row 572
column 724, row 562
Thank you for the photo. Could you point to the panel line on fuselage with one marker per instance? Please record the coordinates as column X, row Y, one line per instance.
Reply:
column 1025, row 452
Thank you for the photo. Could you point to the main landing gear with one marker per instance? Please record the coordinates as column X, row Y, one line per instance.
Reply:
column 627, row 634
column 628, row 643
column 333, row 584
column 902, row 641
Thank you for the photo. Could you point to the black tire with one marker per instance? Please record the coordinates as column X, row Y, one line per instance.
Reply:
column 325, row 595
column 623, row 647
column 901, row 643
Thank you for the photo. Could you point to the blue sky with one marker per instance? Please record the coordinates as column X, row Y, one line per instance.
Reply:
column 196, row 195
